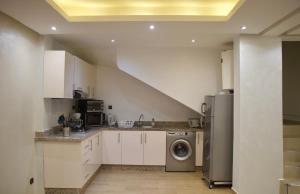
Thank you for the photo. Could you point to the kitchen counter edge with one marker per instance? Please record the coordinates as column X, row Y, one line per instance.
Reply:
column 79, row 136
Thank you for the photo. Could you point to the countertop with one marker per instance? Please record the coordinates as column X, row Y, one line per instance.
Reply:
column 58, row 136
column 81, row 136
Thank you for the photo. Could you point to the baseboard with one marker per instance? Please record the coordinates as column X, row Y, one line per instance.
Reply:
column 72, row 190
column 234, row 190
column 83, row 189
column 132, row 167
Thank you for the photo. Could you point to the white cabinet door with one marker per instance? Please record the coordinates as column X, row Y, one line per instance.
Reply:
column 132, row 147
column 111, row 144
column 199, row 148
column 58, row 74
column 80, row 72
column 227, row 69
column 94, row 164
column 155, row 148
column 92, row 80
column 69, row 75
column 97, row 149
column 85, row 77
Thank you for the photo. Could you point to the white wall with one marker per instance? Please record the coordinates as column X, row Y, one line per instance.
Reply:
column 185, row 74
column 291, row 79
column 131, row 97
column 258, row 143
column 236, row 112
column 23, row 110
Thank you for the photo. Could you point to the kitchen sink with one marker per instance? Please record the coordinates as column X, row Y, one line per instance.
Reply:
column 146, row 127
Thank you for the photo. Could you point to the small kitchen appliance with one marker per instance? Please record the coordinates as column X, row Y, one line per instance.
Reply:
column 91, row 112
column 194, row 122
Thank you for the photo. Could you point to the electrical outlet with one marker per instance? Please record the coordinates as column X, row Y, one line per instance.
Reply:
column 31, row 181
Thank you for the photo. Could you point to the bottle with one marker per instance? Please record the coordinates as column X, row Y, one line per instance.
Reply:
column 153, row 122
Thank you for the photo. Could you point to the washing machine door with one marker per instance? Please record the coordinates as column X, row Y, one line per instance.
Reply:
column 181, row 149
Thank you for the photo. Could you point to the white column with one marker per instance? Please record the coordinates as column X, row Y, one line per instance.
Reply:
column 258, row 150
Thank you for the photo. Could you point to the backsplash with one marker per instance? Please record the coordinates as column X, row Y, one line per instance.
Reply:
column 53, row 108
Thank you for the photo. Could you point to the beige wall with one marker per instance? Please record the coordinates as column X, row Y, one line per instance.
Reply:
column 184, row 74
column 23, row 110
column 131, row 97
column 291, row 80
column 258, row 143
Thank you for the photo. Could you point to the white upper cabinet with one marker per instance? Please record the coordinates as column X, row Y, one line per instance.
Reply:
column 155, row 148
column 85, row 77
column 58, row 74
column 199, row 148
column 227, row 69
column 64, row 73
column 132, row 147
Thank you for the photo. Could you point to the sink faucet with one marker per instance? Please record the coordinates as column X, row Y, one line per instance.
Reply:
column 140, row 118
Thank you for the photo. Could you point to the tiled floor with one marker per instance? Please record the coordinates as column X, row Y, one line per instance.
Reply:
column 130, row 181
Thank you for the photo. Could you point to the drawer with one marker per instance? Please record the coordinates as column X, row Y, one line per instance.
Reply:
column 86, row 172
column 86, row 145
column 86, row 151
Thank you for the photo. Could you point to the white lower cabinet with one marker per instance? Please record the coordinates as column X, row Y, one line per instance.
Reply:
column 111, row 147
column 70, row 164
column 96, row 149
column 199, row 148
column 155, row 148
column 132, row 147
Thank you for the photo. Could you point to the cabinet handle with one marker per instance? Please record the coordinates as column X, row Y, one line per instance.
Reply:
column 203, row 108
column 141, row 138
column 91, row 145
column 145, row 137
column 198, row 136
column 119, row 137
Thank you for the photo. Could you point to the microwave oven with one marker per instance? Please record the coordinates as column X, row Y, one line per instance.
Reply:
column 91, row 112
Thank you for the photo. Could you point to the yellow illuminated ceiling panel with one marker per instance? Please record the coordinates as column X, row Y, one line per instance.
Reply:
column 146, row 10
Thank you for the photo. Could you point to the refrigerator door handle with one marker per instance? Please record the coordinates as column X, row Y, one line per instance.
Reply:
column 203, row 108
column 202, row 122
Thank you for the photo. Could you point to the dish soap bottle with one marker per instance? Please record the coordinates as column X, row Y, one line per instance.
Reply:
column 153, row 122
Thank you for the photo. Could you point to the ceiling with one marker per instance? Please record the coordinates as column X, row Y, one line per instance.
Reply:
column 145, row 10
column 264, row 17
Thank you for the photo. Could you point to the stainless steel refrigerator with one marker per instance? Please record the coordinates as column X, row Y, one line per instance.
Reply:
column 218, row 139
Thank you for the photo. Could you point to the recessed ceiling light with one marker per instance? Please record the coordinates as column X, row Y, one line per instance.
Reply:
column 113, row 40
column 53, row 28
column 243, row 27
column 151, row 27
column 193, row 41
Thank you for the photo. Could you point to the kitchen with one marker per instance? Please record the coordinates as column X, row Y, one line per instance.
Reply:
column 119, row 142
column 135, row 68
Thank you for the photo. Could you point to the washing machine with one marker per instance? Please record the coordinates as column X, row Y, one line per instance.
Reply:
column 180, row 151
